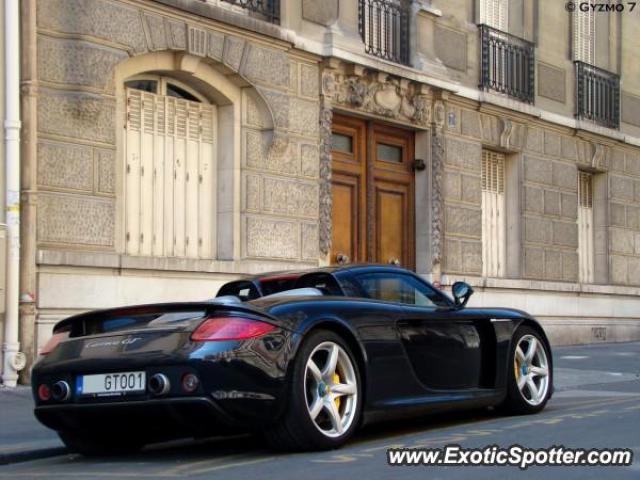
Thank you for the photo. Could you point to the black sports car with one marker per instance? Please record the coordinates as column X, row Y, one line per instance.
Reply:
column 333, row 348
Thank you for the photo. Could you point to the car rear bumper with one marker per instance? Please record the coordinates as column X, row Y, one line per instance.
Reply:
column 154, row 419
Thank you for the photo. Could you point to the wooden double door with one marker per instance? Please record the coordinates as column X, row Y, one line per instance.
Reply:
column 373, row 193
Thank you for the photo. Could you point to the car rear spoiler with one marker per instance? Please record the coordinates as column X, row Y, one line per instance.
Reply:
column 85, row 323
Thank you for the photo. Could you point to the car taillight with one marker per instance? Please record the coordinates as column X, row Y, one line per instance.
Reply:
column 53, row 342
column 44, row 392
column 230, row 328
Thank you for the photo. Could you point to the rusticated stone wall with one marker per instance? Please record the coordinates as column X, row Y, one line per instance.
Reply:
column 462, row 207
column 550, row 210
column 79, row 44
column 547, row 163
column 624, row 231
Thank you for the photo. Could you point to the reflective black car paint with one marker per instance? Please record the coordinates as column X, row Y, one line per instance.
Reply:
column 413, row 360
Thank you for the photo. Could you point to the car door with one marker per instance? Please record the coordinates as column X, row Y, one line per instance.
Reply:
column 447, row 349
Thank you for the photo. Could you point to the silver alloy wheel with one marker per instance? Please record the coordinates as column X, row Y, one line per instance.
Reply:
column 331, row 389
column 531, row 370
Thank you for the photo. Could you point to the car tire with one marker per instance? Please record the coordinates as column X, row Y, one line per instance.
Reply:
column 91, row 446
column 318, row 392
column 529, row 373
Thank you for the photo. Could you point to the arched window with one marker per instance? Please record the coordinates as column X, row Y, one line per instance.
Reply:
column 170, row 183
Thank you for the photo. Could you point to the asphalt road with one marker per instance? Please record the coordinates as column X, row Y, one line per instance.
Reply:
column 597, row 404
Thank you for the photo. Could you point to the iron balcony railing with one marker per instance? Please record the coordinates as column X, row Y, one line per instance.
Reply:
column 384, row 28
column 597, row 95
column 507, row 64
column 268, row 9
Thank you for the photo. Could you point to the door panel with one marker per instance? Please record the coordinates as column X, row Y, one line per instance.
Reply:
column 348, row 186
column 377, row 161
column 392, row 223
column 449, row 350
column 345, row 234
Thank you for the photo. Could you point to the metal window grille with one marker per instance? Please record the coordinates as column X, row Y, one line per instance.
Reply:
column 507, row 64
column 269, row 9
column 597, row 95
column 384, row 28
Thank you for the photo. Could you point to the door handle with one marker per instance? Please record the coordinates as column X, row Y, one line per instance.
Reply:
column 342, row 258
column 394, row 261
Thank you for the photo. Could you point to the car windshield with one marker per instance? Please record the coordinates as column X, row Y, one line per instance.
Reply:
column 400, row 288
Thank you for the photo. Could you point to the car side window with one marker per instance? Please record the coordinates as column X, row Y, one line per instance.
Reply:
column 322, row 281
column 245, row 291
column 399, row 288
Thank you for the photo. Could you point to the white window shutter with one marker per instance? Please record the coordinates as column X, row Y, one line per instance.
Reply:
column 170, row 187
column 493, row 214
column 585, row 227
column 495, row 13
column 584, row 32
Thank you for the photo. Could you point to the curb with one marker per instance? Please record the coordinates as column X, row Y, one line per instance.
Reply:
column 25, row 456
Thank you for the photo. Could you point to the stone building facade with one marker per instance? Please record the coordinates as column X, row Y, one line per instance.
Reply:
column 284, row 88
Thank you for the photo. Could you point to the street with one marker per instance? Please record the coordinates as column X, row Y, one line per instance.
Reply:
column 596, row 404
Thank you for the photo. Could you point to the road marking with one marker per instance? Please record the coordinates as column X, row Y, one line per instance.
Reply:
column 232, row 465
column 574, row 357
column 458, row 437
column 202, row 463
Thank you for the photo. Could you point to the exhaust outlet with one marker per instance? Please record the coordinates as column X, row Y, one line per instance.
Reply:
column 159, row 384
column 60, row 391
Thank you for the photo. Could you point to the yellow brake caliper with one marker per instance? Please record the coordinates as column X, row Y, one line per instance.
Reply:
column 336, row 379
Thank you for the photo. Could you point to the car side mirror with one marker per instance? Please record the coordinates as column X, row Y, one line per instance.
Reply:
column 462, row 291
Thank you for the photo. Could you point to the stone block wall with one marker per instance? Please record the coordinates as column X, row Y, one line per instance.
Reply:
column 462, row 207
column 624, row 208
column 79, row 44
column 546, row 162
column 550, row 233
column 281, row 164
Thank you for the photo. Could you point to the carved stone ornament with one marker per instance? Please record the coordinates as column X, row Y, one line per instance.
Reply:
column 507, row 130
column 600, row 160
column 438, row 114
column 324, row 234
column 381, row 95
column 437, row 199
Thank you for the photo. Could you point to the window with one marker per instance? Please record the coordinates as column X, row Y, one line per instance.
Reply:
column 493, row 214
column 268, row 10
column 495, row 13
column 244, row 290
column 322, row 281
column 584, row 36
column 342, row 142
column 384, row 28
column 585, row 227
column 399, row 288
column 170, row 160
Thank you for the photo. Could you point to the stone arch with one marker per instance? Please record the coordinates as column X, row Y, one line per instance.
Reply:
column 238, row 103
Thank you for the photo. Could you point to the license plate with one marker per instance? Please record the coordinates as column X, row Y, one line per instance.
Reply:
column 111, row 383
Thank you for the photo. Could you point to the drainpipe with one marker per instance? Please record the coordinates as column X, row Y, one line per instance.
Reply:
column 14, row 360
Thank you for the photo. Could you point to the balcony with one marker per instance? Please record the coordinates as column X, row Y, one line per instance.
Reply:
column 267, row 10
column 384, row 28
column 507, row 64
column 597, row 95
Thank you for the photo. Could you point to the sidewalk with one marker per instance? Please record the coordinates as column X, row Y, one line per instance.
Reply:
column 22, row 437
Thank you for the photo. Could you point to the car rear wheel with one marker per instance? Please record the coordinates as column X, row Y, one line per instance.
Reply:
column 325, row 396
column 93, row 445
column 529, row 373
